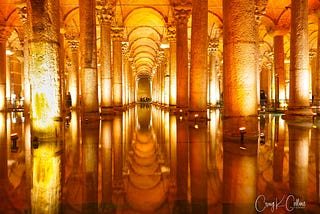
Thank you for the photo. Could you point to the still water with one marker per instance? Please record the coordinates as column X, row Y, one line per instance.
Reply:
column 147, row 160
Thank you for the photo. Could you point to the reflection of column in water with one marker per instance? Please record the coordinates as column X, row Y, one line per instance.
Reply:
column 181, row 205
column 3, row 149
column 118, row 154
column 298, row 160
column 215, row 160
column 239, row 178
column 278, row 152
column 47, row 176
column 173, row 153
column 106, row 155
column 90, row 140
column 198, row 168
column 73, row 174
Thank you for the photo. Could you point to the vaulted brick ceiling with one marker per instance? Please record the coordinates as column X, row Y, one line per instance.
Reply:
column 145, row 24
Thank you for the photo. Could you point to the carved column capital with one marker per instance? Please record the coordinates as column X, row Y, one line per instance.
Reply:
column 105, row 13
column 181, row 15
column 171, row 33
column 117, row 33
column 213, row 45
column 73, row 39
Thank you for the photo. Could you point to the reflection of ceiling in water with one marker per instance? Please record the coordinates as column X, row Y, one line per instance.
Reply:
column 146, row 188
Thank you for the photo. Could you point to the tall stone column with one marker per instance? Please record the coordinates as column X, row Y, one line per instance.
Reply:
column 172, row 66
column 213, row 85
column 88, row 50
column 117, row 33
column 73, row 77
column 43, row 64
column 299, row 61
column 199, row 56
column 240, row 40
column 105, row 15
column 181, row 19
column 316, row 91
column 3, row 67
column 279, row 71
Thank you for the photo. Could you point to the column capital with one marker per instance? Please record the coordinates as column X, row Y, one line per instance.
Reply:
column 213, row 45
column 117, row 33
column 181, row 15
column 105, row 13
column 73, row 39
column 171, row 32
column 22, row 11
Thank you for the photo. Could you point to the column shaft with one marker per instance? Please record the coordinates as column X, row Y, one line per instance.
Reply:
column 88, row 47
column 299, row 60
column 182, row 58
column 240, row 58
column 316, row 78
column 117, row 67
column 199, row 55
column 173, row 67
column 106, row 15
column 3, row 68
column 279, row 70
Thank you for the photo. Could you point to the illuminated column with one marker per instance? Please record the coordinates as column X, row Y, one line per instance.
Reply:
column 240, row 58
column 3, row 68
column 88, row 49
column 173, row 153
column 126, row 66
column 105, row 15
column 172, row 66
column 279, row 71
column 199, row 56
column 117, row 34
column 44, row 71
column 213, row 77
column 299, row 61
column 73, row 77
column 316, row 78
column 313, row 68
column 181, row 18
column 26, row 79
column 240, row 69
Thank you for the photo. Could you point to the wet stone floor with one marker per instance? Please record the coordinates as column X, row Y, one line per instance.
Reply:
column 148, row 160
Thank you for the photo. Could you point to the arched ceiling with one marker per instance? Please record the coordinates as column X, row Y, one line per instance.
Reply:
column 145, row 25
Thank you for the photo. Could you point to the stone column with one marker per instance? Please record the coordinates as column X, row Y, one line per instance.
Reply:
column 105, row 15
column 43, row 64
column 299, row 61
column 279, row 71
column 117, row 33
column 240, row 38
column 172, row 66
column 213, row 93
column 199, row 56
column 181, row 18
column 3, row 67
column 73, row 77
column 316, row 92
column 88, row 49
